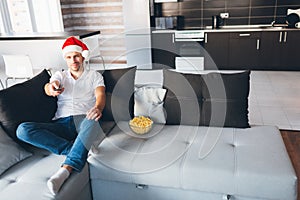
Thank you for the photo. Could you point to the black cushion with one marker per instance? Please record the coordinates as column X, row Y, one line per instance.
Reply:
column 212, row 99
column 225, row 99
column 119, row 91
column 26, row 101
column 183, row 98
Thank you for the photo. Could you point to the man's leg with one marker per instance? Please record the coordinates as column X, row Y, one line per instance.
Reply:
column 56, row 180
column 88, row 132
column 56, row 136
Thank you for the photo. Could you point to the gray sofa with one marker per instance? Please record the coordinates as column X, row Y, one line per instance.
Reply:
column 24, row 169
column 201, row 146
column 204, row 150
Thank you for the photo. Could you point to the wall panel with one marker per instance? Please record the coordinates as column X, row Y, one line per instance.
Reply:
column 197, row 13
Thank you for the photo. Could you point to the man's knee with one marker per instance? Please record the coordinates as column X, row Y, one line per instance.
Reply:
column 22, row 131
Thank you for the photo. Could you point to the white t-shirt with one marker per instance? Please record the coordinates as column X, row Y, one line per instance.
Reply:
column 79, row 95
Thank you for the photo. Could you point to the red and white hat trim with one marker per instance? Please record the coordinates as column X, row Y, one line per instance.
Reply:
column 74, row 45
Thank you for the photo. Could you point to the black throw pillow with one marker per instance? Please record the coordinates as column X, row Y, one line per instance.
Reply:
column 183, row 99
column 213, row 99
column 26, row 101
column 225, row 99
column 119, row 91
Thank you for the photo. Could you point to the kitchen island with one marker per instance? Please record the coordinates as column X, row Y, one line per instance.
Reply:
column 44, row 49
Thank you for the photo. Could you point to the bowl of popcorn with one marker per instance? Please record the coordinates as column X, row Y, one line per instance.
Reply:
column 141, row 124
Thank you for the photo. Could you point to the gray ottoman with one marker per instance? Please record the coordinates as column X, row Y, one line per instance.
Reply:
column 192, row 162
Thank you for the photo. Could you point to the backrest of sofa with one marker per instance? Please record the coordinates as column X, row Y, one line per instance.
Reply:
column 26, row 101
column 119, row 90
column 210, row 99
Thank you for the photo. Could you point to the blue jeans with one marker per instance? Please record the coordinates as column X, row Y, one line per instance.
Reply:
column 71, row 136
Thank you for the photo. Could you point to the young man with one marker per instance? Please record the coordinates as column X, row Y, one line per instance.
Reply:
column 80, row 100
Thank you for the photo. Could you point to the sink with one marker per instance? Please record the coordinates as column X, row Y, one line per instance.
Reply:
column 242, row 26
column 273, row 27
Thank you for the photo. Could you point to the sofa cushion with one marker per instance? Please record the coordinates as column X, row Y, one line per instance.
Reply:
column 225, row 99
column 242, row 162
column 183, row 99
column 106, row 126
column 10, row 152
column 149, row 102
column 26, row 101
column 28, row 180
column 119, row 85
column 212, row 99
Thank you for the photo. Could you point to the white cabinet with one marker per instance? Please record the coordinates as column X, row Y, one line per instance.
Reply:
column 137, row 33
column 138, row 51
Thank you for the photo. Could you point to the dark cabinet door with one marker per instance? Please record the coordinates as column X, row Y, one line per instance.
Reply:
column 270, row 50
column 244, row 50
column 163, row 50
column 290, row 50
column 280, row 50
column 216, row 50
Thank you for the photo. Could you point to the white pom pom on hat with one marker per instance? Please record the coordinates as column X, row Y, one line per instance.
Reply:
column 73, row 44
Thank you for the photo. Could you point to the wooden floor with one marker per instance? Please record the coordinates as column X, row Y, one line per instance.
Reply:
column 292, row 143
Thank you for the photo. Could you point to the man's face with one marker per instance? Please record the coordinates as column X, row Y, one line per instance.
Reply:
column 74, row 60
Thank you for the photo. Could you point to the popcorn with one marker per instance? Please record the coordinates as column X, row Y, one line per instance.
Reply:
column 141, row 124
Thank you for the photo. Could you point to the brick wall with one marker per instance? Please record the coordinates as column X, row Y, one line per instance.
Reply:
column 103, row 15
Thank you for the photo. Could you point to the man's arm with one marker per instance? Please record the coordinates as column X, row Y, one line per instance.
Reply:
column 96, row 112
column 100, row 97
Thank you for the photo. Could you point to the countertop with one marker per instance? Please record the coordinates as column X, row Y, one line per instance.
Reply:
column 45, row 36
column 235, row 28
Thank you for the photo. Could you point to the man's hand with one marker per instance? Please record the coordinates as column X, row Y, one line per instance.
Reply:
column 54, row 88
column 94, row 114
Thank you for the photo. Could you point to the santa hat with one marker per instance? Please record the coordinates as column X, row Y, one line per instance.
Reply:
column 72, row 44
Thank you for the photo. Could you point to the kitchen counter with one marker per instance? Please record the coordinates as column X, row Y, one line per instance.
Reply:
column 47, row 36
column 44, row 49
column 236, row 28
column 243, row 28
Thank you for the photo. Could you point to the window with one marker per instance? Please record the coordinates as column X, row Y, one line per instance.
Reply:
column 19, row 16
column 26, row 16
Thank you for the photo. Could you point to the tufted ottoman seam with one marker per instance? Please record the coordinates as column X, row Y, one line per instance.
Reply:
column 131, row 175
column 190, row 140
column 181, row 170
column 208, row 136
column 235, row 172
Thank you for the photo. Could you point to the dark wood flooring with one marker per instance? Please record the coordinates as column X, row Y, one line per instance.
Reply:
column 292, row 143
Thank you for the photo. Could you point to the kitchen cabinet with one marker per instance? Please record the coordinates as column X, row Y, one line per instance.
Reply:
column 236, row 50
column 163, row 50
column 232, row 50
column 270, row 56
column 244, row 50
column 216, row 54
column 289, row 50
column 280, row 50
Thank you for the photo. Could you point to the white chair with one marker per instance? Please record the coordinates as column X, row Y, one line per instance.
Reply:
column 1, row 84
column 17, row 67
column 92, row 43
